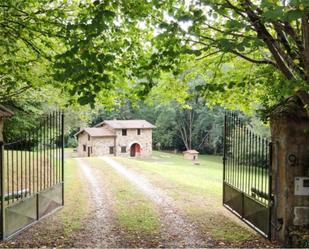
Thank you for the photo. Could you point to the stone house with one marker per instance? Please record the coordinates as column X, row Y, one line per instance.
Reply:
column 129, row 138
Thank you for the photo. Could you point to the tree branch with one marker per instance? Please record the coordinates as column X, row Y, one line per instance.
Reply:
column 253, row 60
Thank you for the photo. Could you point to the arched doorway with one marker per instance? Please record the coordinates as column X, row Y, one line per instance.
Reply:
column 135, row 149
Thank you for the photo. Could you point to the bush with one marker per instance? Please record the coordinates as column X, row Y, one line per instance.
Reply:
column 71, row 143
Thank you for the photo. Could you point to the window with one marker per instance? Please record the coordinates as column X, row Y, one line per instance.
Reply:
column 138, row 131
column 88, row 137
column 111, row 150
column 123, row 149
column 84, row 147
column 124, row 132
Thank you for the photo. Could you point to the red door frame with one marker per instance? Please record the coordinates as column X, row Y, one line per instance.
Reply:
column 135, row 148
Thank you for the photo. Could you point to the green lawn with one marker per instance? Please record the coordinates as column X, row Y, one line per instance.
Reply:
column 197, row 190
column 205, row 179
column 23, row 169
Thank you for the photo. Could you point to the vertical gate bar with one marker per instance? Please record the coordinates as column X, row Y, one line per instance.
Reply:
column 224, row 147
column 255, row 163
column 17, row 167
column 44, row 152
column 233, row 145
column 57, row 146
column 246, row 159
column 2, row 189
column 227, row 147
column 22, row 160
column 38, row 171
column 50, row 151
column 261, row 142
column 236, row 151
column 29, row 163
column 250, row 163
column 241, row 157
column 37, row 161
column 32, row 163
column 50, row 148
column 270, row 149
column 53, row 147
column 12, row 171
column 261, row 166
column 265, row 157
column 224, row 157
column 25, row 161
column 228, row 162
column 232, row 149
column 62, row 155
column 255, row 156
column 260, row 176
column 7, row 172
column 238, row 154
column 60, row 143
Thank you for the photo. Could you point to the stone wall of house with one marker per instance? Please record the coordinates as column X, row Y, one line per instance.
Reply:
column 83, row 140
column 101, row 145
column 144, row 140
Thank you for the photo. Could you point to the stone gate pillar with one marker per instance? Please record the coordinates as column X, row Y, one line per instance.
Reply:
column 4, row 112
column 290, row 167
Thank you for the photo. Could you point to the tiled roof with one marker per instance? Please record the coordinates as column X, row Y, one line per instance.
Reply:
column 4, row 112
column 97, row 132
column 191, row 151
column 127, row 124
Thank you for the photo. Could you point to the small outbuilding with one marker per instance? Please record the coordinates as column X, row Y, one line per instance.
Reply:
column 191, row 155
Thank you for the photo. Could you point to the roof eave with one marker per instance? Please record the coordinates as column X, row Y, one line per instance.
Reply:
column 5, row 112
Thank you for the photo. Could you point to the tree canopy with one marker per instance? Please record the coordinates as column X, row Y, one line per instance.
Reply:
column 106, row 52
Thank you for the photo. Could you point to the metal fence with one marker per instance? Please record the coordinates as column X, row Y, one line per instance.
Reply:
column 247, row 174
column 32, row 174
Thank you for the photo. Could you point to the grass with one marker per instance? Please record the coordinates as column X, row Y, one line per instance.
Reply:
column 133, row 211
column 62, row 228
column 23, row 169
column 76, row 202
column 197, row 189
column 205, row 179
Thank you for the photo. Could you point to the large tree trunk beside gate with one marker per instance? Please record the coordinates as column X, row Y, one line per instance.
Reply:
column 290, row 158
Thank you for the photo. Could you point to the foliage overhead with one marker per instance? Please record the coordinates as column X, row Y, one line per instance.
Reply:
column 112, row 50
column 270, row 33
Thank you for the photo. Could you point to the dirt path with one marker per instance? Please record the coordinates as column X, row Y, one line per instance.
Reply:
column 177, row 231
column 98, row 230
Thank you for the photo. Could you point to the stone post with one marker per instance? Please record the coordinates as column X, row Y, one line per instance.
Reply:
column 290, row 159
column 4, row 112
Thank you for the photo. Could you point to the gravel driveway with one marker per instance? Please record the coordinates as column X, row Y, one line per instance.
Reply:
column 98, row 230
column 178, row 232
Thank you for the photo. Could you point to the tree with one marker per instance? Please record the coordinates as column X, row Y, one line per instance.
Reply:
column 271, row 33
column 31, row 33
